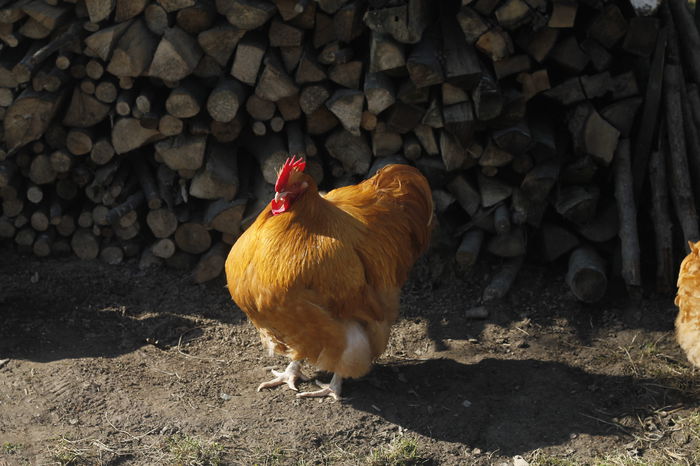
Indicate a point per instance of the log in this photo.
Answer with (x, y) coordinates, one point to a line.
(352, 151)
(681, 187)
(426, 136)
(309, 69)
(246, 14)
(84, 244)
(468, 251)
(112, 255)
(163, 248)
(404, 23)
(274, 82)
(467, 195)
(511, 244)
(346, 105)
(347, 74)
(248, 58)
(459, 120)
(627, 212)
(29, 117)
(176, 56)
(688, 35)
(569, 55)
(503, 280)
(577, 203)
(192, 237)
(270, 152)
(563, 14)
(622, 114)
(182, 152)
(101, 43)
(84, 110)
(471, 22)
(211, 264)
(220, 41)
(386, 54)
(218, 178)
(487, 98)
(501, 219)
(496, 44)
(225, 100)
(512, 14)
(650, 114)
(663, 227)
(134, 51)
(23, 70)
(379, 92)
(422, 64)
(586, 275)
(128, 134)
(225, 216)
(538, 182)
(79, 141)
(385, 142)
(162, 222)
(609, 27)
(555, 241)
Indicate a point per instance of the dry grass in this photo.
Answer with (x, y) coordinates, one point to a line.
(401, 451)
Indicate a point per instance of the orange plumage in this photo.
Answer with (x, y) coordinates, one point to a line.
(321, 281)
(688, 302)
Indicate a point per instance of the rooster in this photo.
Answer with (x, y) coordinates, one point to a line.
(320, 275)
(688, 302)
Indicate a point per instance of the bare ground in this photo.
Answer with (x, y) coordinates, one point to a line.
(113, 365)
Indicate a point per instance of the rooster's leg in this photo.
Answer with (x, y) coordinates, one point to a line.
(291, 375)
(332, 389)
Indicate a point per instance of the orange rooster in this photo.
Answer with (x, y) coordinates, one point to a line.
(320, 275)
(688, 302)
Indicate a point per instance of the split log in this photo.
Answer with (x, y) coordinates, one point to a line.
(218, 178)
(211, 264)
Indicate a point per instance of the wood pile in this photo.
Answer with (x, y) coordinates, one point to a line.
(153, 130)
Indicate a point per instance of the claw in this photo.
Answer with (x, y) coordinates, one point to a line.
(327, 389)
(291, 375)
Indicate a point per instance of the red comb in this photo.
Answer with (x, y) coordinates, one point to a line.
(292, 163)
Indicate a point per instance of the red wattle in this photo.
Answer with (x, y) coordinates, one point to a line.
(279, 207)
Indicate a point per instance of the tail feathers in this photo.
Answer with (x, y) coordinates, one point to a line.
(688, 337)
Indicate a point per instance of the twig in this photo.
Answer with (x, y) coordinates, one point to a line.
(179, 350)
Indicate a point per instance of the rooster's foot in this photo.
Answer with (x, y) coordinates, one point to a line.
(331, 389)
(291, 375)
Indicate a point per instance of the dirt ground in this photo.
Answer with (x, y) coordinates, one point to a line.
(113, 365)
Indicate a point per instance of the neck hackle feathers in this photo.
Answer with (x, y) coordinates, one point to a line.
(292, 163)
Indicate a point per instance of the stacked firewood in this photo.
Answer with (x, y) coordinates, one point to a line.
(155, 129)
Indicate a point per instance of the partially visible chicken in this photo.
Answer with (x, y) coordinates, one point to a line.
(320, 276)
(688, 302)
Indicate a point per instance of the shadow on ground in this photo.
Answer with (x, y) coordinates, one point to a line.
(506, 405)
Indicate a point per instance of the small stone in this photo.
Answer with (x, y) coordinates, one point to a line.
(225, 396)
(520, 461)
(466, 403)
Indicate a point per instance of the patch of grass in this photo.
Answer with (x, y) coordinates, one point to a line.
(401, 451)
(67, 452)
(186, 450)
(10, 448)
